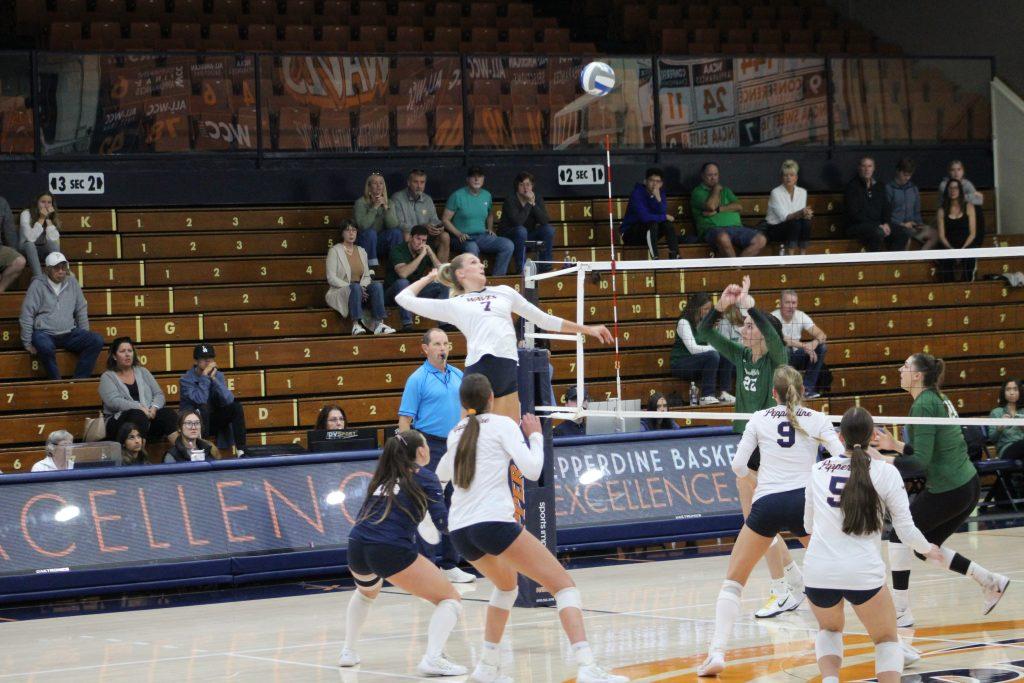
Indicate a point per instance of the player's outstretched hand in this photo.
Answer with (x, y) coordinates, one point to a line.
(530, 424)
(728, 297)
(599, 332)
(884, 440)
(935, 556)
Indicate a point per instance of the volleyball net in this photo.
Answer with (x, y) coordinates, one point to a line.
(876, 308)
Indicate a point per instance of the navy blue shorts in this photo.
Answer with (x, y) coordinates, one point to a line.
(778, 512)
(740, 236)
(503, 374)
(485, 538)
(378, 559)
(830, 597)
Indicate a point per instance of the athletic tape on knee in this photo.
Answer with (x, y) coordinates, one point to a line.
(888, 657)
(568, 597)
(828, 644)
(901, 557)
(503, 599)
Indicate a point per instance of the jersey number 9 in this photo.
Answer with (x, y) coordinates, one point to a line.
(787, 435)
(835, 487)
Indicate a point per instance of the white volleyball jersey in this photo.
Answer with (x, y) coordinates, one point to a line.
(488, 498)
(838, 560)
(485, 317)
(786, 454)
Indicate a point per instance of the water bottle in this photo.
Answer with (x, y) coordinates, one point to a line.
(782, 250)
(995, 241)
(694, 394)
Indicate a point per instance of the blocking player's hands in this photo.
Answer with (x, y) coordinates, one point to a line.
(530, 424)
(729, 296)
(744, 300)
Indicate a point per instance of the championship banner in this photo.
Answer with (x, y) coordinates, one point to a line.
(742, 102)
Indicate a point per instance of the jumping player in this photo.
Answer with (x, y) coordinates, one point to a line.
(788, 436)
(484, 315)
(484, 530)
(951, 485)
(756, 358)
(844, 502)
(382, 546)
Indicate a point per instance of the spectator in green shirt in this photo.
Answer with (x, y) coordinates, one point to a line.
(716, 215)
(467, 216)
(376, 220)
(409, 262)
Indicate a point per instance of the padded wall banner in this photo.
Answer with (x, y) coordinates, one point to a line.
(645, 481)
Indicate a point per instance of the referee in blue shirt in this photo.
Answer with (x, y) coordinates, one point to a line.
(430, 404)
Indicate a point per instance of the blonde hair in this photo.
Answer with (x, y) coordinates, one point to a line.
(788, 384)
(446, 274)
(366, 188)
(790, 165)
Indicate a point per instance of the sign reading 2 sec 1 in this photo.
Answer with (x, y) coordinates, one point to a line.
(77, 183)
(580, 175)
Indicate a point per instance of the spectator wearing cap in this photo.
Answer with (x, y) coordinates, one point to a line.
(56, 452)
(204, 390)
(523, 217)
(409, 262)
(40, 232)
(55, 315)
(11, 262)
(415, 207)
(130, 394)
(375, 217)
(577, 427)
(430, 404)
(467, 217)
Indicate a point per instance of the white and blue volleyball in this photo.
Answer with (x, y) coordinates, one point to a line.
(597, 79)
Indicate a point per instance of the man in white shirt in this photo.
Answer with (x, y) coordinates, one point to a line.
(808, 356)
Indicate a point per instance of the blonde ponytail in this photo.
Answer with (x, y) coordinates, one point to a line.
(789, 386)
(446, 274)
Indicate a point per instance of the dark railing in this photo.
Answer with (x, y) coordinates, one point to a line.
(61, 105)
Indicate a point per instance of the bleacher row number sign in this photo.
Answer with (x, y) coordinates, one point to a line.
(77, 183)
(580, 175)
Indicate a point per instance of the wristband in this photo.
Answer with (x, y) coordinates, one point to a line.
(908, 449)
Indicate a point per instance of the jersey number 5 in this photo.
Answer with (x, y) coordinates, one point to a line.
(787, 434)
(835, 487)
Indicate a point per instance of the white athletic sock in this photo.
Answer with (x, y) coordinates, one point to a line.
(355, 617)
(830, 679)
(442, 621)
(794, 577)
(779, 587)
(901, 599)
(582, 653)
(980, 574)
(727, 609)
(491, 654)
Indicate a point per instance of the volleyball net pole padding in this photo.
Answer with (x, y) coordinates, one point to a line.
(582, 269)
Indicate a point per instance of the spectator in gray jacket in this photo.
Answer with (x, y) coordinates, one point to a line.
(55, 316)
(414, 207)
(205, 390)
(905, 205)
(523, 217)
(11, 262)
(130, 394)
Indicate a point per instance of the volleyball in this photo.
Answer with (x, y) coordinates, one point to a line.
(597, 79)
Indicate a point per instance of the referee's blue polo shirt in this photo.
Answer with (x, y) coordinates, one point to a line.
(431, 399)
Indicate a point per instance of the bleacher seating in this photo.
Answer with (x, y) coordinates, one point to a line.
(251, 280)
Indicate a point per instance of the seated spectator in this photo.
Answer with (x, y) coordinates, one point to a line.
(331, 417)
(131, 395)
(413, 206)
(647, 220)
(716, 215)
(56, 452)
(467, 216)
(55, 315)
(1009, 440)
(409, 262)
(11, 261)
(956, 219)
(868, 214)
(190, 446)
(905, 205)
(133, 445)
(348, 274)
(808, 356)
(955, 171)
(657, 403)
(789, 217)
(577, 427)
(700, 362)
(375, 217)
(204, 390)
(523, 217)
(40, 232)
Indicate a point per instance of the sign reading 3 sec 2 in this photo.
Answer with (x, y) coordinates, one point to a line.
(580, 175)
(77, 183)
